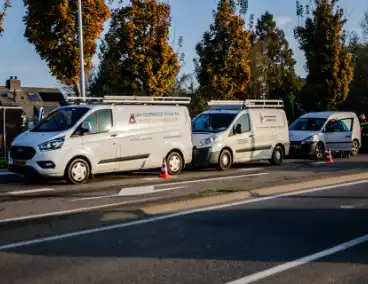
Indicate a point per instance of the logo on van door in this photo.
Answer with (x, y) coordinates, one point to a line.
(261, 118)
(132, 119)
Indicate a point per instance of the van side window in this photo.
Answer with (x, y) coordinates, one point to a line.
(99, 121)
(242, 125)
(343, 125)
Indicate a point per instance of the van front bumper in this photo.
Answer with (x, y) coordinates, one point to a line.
(204, 157)
(301, 150)
(42, 163)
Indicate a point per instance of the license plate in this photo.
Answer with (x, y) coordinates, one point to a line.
(296, 146)
(19, 163)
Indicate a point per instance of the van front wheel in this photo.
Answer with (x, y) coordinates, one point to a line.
(277, 156)
(225, 160)
(77, 171)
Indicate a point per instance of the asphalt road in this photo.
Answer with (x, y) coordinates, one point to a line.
(221, 245)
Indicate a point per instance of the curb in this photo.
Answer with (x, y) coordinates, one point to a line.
(173, 207)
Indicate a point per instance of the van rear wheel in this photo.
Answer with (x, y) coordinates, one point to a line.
(77, 171)
(175, 163)
(355, 150)
(225, 160)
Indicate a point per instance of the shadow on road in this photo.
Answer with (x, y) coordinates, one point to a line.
(257, 235)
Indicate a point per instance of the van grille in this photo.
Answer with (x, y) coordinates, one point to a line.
(22, 153)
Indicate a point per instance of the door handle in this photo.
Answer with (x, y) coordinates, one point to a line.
(251, 135)
(348, 136)
(114, 135)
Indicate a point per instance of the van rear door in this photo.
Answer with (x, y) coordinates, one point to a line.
(338, 134)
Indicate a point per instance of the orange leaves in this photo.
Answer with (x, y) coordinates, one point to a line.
(51, 27)
(5, 7)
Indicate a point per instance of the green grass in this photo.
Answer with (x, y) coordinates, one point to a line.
(3, 164)
(216, 191)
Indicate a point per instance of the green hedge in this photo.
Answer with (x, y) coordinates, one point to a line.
(3, 164)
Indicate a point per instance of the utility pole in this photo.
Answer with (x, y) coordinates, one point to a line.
(80, 28)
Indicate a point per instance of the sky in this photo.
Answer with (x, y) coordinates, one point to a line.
(190, 18)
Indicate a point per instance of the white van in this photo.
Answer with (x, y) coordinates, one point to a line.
(232, 132)
(109, 134)
(314, 133)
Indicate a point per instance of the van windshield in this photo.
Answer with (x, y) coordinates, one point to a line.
(308, 124)
(61, 119)
(212, 122)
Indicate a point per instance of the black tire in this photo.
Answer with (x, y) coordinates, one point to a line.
(77, 176)
(355, 150)
(175, 163)
(319, 153)
(277, 156)
(225, 160)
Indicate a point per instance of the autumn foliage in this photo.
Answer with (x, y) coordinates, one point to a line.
(51, 26)
(5, 7)
(136, 57)
(222, 67)
(328, 62)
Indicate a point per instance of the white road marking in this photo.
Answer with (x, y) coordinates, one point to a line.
(6, 173)
(301, 261)
(73, 211)
(152, 178)
(354, 205)
(249, 169)
(159, 218)
(318, 163)
(132, 191)
(30, 191)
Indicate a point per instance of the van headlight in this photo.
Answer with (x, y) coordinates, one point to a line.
(53, 144)
(309, 140)
(209, 141)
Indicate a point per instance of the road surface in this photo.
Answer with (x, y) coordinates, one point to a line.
(254, 240)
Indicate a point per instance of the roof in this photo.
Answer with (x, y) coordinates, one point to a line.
(326, 114)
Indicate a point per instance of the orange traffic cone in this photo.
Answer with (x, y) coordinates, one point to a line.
(329, 156)
(164, 173)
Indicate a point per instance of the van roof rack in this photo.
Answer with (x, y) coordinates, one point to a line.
(239, 105)
(126, 100)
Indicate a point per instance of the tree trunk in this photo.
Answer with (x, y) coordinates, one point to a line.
(77, 88)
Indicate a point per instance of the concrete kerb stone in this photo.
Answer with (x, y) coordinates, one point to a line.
(237, 196)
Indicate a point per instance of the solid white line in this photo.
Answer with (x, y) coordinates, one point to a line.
(170, 216)
(301, 261)
(30, 191)
(72, 211)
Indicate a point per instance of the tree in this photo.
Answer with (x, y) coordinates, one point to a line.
(136, 58)
(51, 26)
(358, 97)
(222, 67)
(5, 7)
(328, 62)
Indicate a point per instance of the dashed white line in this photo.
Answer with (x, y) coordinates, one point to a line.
(158, 218)
(30, 191)
(301, 261)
